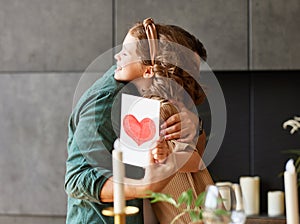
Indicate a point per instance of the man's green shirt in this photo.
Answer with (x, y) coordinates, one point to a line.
(90, 142)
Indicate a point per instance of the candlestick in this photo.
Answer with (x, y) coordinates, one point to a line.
(291, 193)
(275, 203)
(118, 178)
(250, 191)
(119, 211)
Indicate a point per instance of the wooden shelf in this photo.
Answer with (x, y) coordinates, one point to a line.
(264, 219)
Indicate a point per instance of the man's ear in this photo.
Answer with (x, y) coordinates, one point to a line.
(148, 73)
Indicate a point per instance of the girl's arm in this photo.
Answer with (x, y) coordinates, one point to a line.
(195, 161)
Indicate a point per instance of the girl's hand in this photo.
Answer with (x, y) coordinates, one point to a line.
(161, 151)
(182, 126)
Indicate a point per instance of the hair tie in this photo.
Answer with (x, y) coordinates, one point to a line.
(152, 37)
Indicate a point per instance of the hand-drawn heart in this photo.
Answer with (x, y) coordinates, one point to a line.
(140, 132)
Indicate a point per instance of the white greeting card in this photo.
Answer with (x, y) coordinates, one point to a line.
(139, 128)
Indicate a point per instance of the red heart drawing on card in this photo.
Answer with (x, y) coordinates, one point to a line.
(140, 132)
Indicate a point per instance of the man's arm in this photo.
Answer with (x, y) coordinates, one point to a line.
(89, 159)
(157, 178)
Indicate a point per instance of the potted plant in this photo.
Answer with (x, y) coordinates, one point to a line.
(193, 206)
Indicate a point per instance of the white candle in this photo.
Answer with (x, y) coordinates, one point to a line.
(291, 193)
(275, 203)
(224, 190)
(250, 191)
(118, 178)
(239, 197)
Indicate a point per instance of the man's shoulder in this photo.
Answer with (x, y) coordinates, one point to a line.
(104, 87)
(106, 82)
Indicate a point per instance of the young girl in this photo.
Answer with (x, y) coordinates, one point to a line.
(161, 78)
(159, 72)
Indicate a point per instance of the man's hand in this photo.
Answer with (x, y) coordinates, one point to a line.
(157, 176)
(182, 126)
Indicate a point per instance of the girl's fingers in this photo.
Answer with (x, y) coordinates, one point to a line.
(160, 152)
